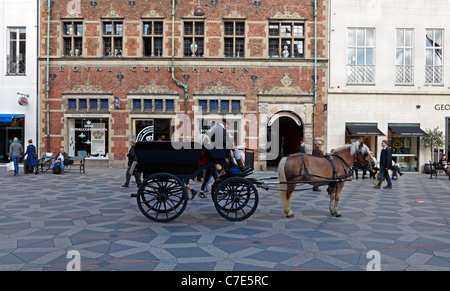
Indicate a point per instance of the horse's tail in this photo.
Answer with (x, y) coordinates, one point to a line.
(282, 175)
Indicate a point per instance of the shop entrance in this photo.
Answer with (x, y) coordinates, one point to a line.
(8, 131)
(287, 130)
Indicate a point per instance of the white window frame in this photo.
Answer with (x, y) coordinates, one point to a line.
(404, 71)
(360, 73)
(434, 74)
(19, 56)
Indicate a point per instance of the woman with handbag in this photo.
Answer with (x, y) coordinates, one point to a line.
(31, 161)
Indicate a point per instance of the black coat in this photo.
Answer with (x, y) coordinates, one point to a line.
(301, 149)
(386, 159)
(131, 156)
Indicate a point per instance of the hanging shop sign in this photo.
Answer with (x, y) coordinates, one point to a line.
(23, 101)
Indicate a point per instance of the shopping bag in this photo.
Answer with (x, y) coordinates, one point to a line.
(10, 167)
(379, 178)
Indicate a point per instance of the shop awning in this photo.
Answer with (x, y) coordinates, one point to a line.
(9, 117)
(408, 130)
(364, 130)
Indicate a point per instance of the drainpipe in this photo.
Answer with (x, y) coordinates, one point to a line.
(315, 71)
(47, 86)
(184, 86)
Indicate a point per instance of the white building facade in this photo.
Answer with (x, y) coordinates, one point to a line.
(389, 75)
(18, 75)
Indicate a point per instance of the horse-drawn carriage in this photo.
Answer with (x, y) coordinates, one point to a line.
(163, 196)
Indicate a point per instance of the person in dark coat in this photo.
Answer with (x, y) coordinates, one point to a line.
(31, 161)
(131, 158)
(301, 148)
(385, 165)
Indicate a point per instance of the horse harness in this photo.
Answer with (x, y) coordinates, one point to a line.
(303, 172)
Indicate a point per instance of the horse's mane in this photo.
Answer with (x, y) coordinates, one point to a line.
(354, 146)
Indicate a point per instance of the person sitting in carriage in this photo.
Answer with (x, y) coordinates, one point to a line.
(221, 139)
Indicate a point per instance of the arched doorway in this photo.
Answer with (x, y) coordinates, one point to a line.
(287, 130)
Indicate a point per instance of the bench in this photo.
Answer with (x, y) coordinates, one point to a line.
(45, 163)
(435, 170)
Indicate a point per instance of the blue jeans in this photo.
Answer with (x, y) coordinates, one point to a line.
(384, 174)
(58, 163)
(16, 164)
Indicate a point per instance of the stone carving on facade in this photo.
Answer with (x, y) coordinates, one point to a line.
(112, 14)
(153, 88)
(153, 14)
(287, 15)
(220, 89)
(285, 88)
(88, 88)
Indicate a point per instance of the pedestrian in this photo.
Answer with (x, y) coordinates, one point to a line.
(301, 148)
(395, 170)
(31, 161)
(385, 165)
(60, 158)
(375, 168)
(317, 152)
(189, 188)
(15, 153)
(132, 168)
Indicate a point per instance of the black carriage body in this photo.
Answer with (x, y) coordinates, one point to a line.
(178, 158)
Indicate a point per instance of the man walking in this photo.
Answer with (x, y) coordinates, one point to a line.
(131, 158)
(15, 153)
(385, 165)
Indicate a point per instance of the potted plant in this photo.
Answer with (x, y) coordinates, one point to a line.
(435, 139)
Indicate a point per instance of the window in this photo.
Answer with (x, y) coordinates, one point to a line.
(213, 106)
(145, 104)
(194, 33)
(87, 104)
(153, 38)
(112, 38)
(286, 40)
(404, 57)
(16, 58)
(234, 39)
(360, 56)
(434, 56)
(72, 39)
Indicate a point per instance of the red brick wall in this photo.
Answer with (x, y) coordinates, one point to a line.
(300, 71)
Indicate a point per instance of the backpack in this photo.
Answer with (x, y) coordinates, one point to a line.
(56, 169)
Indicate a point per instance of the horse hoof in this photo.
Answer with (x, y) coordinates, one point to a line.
(338, 215)
(290, 214)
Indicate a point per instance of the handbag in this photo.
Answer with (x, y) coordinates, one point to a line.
(10, 166)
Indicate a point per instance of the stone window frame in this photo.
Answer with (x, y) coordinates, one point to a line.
(154, 99)
(88, 98)
(72, 36)
(152, 36)
(194, 37)
(285, 38)
(234, 37)
(113, 37)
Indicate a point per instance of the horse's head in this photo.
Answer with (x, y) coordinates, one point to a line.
(362, 155)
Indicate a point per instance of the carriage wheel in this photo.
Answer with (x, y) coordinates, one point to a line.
(162, 197)
(236, 199)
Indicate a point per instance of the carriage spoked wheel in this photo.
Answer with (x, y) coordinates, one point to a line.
(162, 197)
(236, 198)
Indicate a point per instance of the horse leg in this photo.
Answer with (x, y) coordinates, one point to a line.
(332, 192)
(339, 187)
(285, 189)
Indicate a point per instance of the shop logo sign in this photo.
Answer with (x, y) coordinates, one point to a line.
(146, 134)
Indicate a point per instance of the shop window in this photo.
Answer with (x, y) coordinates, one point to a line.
(152, 129)
(90, 136)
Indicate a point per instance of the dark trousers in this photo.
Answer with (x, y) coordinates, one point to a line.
(209, 172)
(136, 175)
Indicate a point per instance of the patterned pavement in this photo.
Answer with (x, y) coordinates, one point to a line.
(43, 217)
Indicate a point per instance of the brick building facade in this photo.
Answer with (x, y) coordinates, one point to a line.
(112, 74)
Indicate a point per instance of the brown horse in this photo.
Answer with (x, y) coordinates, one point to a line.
(331, 169)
